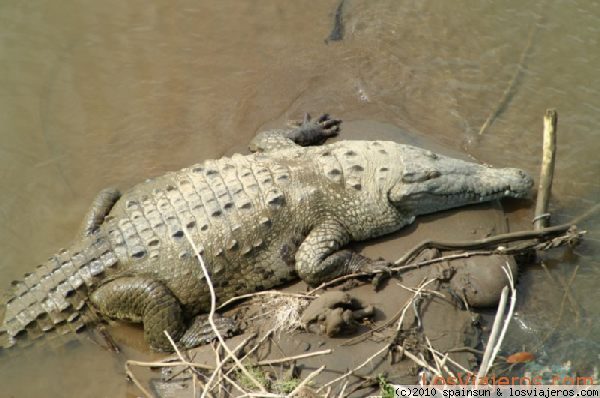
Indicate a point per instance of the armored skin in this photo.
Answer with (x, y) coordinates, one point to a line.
(259, 220)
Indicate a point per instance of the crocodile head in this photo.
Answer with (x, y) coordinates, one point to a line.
(430, 182)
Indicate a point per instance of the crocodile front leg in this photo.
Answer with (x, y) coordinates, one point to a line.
(304, 133)
(319, 258)
(142, 299)
(99, 209)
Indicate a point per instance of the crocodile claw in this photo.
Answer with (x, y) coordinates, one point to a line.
(314, 131)
(385, 272)
(201, 332)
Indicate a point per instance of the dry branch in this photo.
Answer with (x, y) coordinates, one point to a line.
(306, 380)
(497, 336)
(293, 358)
(542, 239)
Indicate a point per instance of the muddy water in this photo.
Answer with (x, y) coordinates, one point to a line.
(109, 93)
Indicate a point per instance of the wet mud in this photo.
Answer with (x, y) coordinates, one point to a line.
(110, 93)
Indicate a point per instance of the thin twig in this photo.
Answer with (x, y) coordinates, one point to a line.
(306, 380)
(234, 384)
(174, 346)
(188, 364)
(220, 364)
(262, 395)
(421, 291)
(211, 314)
(264, 293)
(458, 366)
(350, 372)
(545, 233)
(441, 363)
(259, 343)
(130, 374)
(172, 364)
(417, 360)
(293, 358)
(194, 380)
(343, 390)
(256, 346)
(410, 301)
(218, 370)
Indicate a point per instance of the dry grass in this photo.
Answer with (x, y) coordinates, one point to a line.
(287, 313)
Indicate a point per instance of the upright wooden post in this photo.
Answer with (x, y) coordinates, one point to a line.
(547, 170)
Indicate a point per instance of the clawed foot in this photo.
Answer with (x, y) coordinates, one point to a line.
(313, 131)
(384, 270)
(201, 332)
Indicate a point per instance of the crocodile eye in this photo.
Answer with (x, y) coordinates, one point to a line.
(431, 155)
(420, 176)
(433, 174)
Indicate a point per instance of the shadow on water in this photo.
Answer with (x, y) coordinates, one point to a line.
(110, 93)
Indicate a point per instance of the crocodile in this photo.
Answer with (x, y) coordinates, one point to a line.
(284, 211)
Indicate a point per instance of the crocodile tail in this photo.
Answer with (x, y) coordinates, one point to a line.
(53, 298)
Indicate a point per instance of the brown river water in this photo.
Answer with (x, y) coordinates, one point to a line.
(107, 93)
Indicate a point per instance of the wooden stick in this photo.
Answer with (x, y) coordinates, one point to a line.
(343, 390)
(211, 316)
(417, 360)
(256, 346)
(294, 357)
(547, 170)
(458, 365)
(160, 364)
(139, 385)
(220, 363)
(299, 387)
